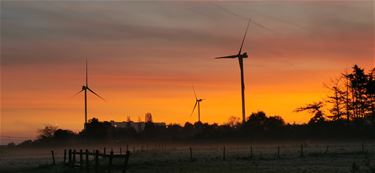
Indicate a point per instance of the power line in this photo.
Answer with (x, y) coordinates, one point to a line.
(256, 23)
(242, 17)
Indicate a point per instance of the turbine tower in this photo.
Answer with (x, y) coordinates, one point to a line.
(197, 103)
(85, 89)
(240, 56)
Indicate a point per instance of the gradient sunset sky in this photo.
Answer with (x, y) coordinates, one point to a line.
(145, 57)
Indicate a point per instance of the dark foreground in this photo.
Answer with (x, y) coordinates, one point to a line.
(340, 157)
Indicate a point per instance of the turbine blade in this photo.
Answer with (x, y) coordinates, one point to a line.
(230, 56)
(194, 108)
(96, 94)
(195, 94)
(243, 40)
(77, 93)
(87, 81)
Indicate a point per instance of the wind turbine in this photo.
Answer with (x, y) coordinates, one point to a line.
(197, 103)
(240, 56)
(84, 89)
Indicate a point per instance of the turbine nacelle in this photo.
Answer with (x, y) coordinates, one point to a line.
(244, 55)
(199, 100)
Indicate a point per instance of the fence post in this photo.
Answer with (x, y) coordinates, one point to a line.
(251, 152)
(87, 160)
(224, 153)
(96, 161)
(110, 162)
(278, 152)
(70, 157)
(191, 154)
(326, 152)
(64, 156)
(53, 157)
(126, 162)
(80, 159)
(74, 157)
(363, 148)
(301, 152)
(355, 167)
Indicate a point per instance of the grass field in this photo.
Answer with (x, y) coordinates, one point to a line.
(340, 157)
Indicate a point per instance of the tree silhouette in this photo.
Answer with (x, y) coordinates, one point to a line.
(370, 91)
(360, 97)
(233, 121)
(97, 129)
(337, 100)
(358, 81)
(47, 132)
(63, 134)
(315, 109)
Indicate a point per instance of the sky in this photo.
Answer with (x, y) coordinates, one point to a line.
(146, 56)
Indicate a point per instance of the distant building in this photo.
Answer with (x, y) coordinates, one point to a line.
(148, 117)
(138, 126)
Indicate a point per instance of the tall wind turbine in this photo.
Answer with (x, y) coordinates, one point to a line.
(84, 89)
(240, 56)
(197, 103)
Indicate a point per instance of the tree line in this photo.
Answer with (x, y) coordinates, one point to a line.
(351, 99)
(347, 113)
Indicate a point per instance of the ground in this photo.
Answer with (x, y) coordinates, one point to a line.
(339, 157)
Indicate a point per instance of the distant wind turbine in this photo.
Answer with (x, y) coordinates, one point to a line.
(86, 88)
(197, 103)
(240, 57)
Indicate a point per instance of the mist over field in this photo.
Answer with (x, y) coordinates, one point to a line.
(208, 157)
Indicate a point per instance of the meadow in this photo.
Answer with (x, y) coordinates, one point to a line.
(256, 157)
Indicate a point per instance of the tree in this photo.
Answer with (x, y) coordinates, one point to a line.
(63, 134)
(337, 100)
(256, 121)
(233, 121)
(148, 118)
(47, 132)
(370, 92)
(258, 117)
(275, 122)
(347, 97)
(315, 109)
(97, 129)
(358, 81)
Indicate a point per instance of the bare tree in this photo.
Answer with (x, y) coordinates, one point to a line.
(315, 109)
(347, 97)
(233, 121)
(337, 100)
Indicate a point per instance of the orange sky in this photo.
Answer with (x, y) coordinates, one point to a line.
(144, 57)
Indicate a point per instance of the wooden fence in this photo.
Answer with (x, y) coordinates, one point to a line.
(86, 160)
(96, 161)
